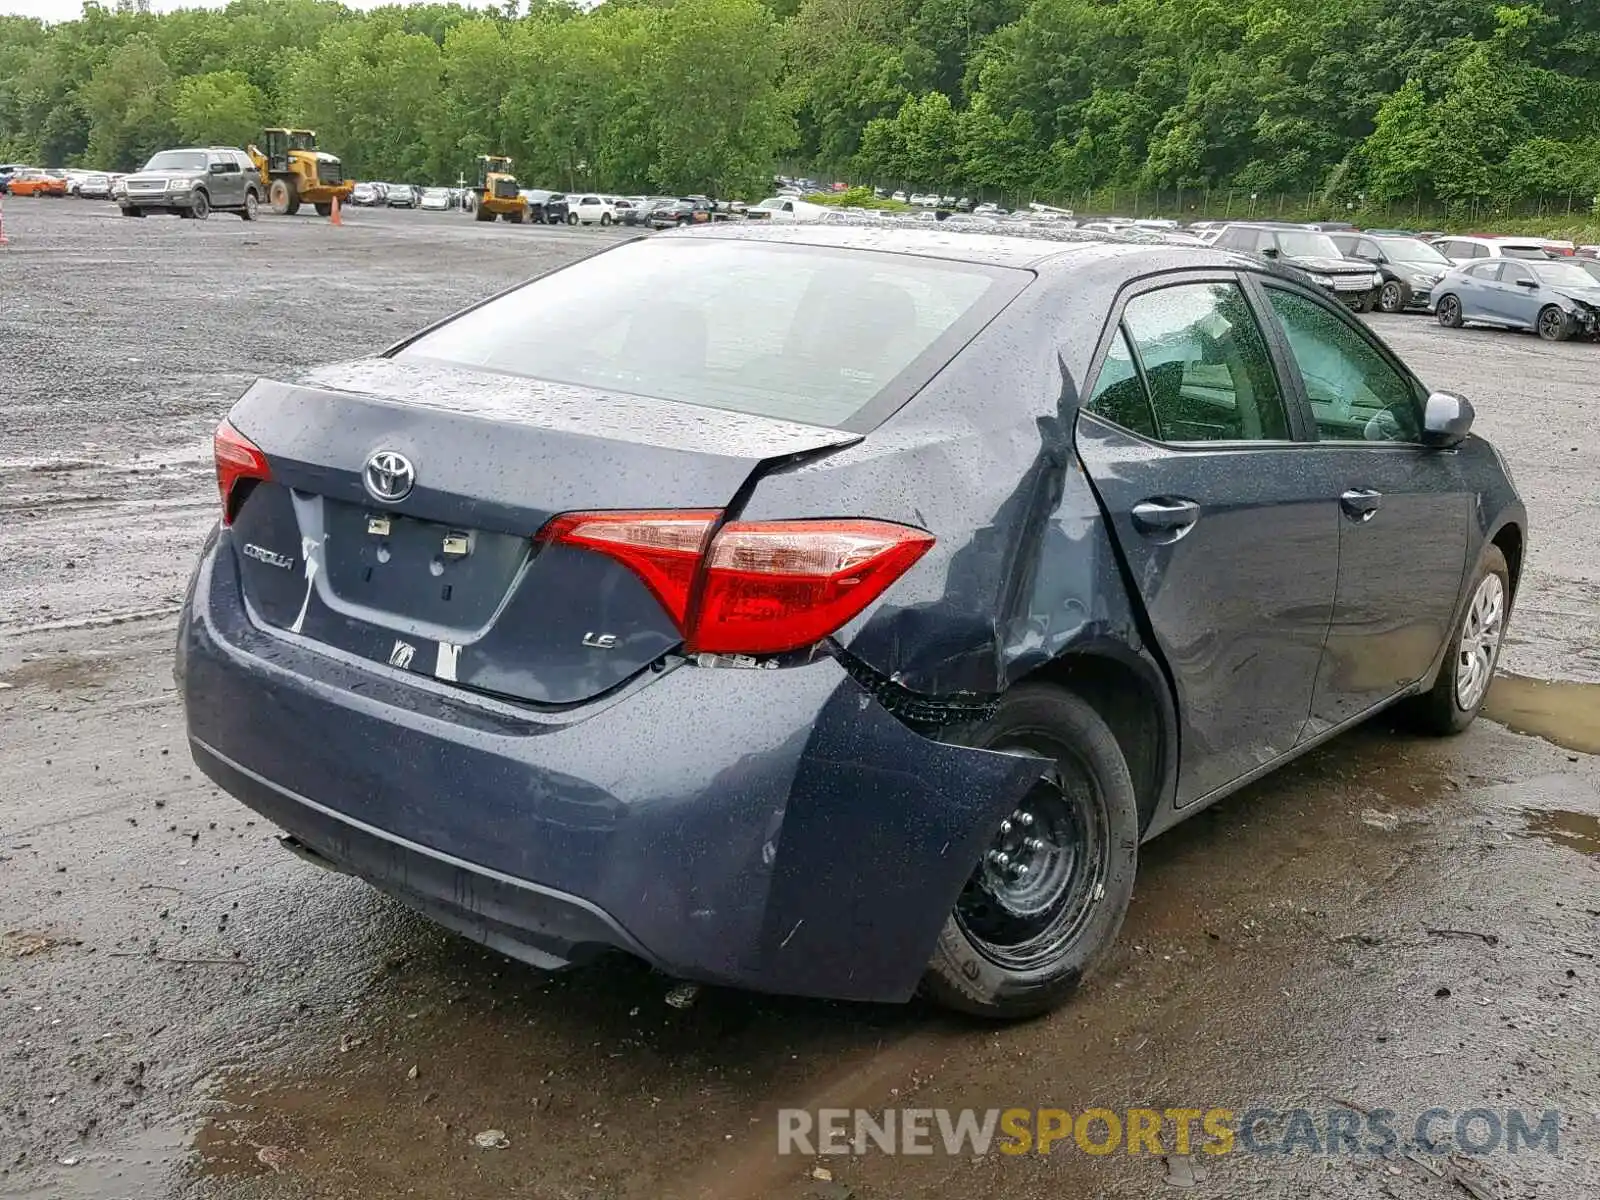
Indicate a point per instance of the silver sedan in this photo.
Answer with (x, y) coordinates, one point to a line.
(1558, 300)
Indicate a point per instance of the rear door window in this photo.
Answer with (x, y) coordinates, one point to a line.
(823, 336)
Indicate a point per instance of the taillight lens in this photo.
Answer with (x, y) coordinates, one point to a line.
(778, 585)
(238, 459)
(761, 587)
(661, 548)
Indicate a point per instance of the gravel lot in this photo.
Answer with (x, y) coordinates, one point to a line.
(188, 1011)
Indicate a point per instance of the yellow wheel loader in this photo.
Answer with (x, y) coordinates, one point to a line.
(295, 172)
(497, 194)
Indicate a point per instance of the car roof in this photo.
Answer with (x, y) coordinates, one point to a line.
(1042, 247)
(1492, 240)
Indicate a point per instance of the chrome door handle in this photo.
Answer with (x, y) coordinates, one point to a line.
(1165, 515)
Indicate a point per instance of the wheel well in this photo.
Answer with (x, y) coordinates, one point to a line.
(1509, 540)
(1126, 703)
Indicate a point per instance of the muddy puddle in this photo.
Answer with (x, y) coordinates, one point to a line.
(1574, 830)
(1567, 714)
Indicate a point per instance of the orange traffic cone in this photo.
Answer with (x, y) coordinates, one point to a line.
(3, 241)
(335, 217)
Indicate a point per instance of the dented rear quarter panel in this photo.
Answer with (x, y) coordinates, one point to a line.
(1024, 568)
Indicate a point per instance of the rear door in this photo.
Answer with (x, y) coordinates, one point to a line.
(1472, 287)
(1405, 511)
(1192, 445)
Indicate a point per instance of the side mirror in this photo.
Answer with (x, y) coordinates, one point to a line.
(1531, 284)
(1446, 420)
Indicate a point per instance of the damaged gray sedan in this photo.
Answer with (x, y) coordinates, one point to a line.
(841, 619)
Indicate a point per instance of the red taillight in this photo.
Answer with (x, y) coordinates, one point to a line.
(779, 585)
(661, 548)
(761, 587)
(238, 459)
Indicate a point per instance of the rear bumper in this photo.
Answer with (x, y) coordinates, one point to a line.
(769, 829)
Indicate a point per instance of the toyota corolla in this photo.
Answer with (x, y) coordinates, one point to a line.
(847, 647)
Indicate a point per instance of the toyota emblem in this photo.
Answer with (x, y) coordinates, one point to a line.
(389, 476)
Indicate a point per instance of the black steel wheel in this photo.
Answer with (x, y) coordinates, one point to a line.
(1051, 887)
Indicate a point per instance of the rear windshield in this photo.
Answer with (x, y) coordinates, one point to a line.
(802, 333)
(1528, 252)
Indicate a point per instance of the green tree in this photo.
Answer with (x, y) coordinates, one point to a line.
(221, 108)
(128, 101)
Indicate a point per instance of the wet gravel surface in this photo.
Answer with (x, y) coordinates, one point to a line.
(186, 1011)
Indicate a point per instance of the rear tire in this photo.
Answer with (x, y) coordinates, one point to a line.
(1553, 324)
(1469, 665)
(1017, 946)
(1448, 313)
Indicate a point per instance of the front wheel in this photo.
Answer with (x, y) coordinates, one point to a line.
(1043, 906)
(1367, 301)
(1554, 324)
(605, 218)
(572, 218)
(132, 212)
(284, 197)
(251, 204)
(1469, 664)
(1391, 298)
(1448, 313)
(200, 206)
(325, 209)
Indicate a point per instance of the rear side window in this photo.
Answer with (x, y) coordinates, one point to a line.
(1119, 394)
(1205, 363)
(811, 334)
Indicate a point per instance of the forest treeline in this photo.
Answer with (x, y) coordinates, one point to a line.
(1446, 101)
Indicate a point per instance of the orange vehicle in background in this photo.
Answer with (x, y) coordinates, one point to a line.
(36, 183)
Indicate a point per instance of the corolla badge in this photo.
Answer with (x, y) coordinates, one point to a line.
(389, 476)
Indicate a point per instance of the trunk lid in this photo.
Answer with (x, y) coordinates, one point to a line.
(446, 581)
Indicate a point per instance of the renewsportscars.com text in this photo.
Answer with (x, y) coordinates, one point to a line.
(1216, 1131)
